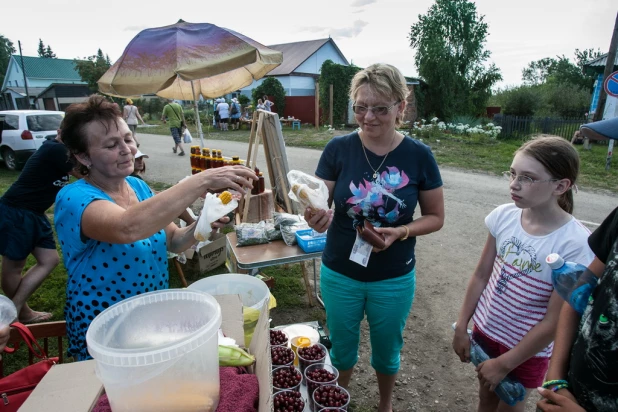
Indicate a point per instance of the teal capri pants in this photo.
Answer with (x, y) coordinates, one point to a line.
(386, 303)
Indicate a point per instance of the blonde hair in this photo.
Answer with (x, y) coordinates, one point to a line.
(129, 101)
(383, 79)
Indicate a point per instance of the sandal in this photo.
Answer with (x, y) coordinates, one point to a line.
(39, 317)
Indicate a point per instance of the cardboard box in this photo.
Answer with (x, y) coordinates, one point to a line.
(74, 387)
(213, 254)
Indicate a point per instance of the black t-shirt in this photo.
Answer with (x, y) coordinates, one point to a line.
(594, 359)
(387, 201)
(45, 173)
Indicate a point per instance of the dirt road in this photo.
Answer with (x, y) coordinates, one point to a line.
(431, 377)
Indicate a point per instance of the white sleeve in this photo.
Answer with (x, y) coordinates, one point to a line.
(493, 218)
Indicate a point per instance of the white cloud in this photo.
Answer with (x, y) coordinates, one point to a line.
(353, 31)
(361, 3)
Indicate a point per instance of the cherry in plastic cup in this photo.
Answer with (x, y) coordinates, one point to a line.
(277, 371)
(287, 340)
(280, 405)
(331, 410)
(312, 383)
(336, 391)
(276, 364)
(304, 362)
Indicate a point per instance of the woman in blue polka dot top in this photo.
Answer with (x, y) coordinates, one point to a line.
(114, 231)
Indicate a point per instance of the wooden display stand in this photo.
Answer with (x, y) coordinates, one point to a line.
(267, 129)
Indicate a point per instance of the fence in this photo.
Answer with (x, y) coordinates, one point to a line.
(520, 126)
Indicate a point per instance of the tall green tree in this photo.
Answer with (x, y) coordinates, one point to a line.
(451, 57)
(91, 69)
(41, 49)
(560, 70)
(45, 52)
(340, 77)
(6, 50)
(49, 53)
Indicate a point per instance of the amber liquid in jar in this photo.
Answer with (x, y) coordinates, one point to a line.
(260, 183)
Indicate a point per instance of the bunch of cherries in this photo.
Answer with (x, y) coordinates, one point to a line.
(278, 338)
(281, 355)
(288, 401)
(330, 396)
(286, 377)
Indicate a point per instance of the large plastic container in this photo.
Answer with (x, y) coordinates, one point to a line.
(253, 292)
(158, 351)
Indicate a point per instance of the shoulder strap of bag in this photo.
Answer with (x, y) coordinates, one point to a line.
(30, 340)
(174, 110)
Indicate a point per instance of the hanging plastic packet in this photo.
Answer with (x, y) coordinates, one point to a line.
(310, 192)
(214, 209)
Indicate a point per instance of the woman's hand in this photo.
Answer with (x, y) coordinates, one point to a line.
(461, 345)
(391, 235)
(239, 178)
(558, 402)
(218, 224)
(491, 372)
(319, 221)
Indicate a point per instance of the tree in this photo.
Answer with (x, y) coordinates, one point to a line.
(561, 70)
(45, 52)
(340, 77)
(451, 57)
(6, 50)
(271, 87)
(91, 69)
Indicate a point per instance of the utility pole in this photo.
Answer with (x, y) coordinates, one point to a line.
(23, 70)
(609, 68)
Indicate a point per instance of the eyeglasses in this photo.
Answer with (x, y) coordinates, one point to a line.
(524, 180)
(376, 110)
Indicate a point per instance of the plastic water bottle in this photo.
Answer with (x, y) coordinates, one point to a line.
(571, 281)
(8, 312)
(508, 390)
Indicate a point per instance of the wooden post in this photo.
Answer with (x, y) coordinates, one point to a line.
(317, 105)
(331, 103)
(609, 68)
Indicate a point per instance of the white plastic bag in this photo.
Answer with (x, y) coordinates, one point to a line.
(212, 211)
(308, 190)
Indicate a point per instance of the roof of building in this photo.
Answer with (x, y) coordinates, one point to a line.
(295, 54)
(601, 61)
(46, 68)
(66, 90)
(32, 91)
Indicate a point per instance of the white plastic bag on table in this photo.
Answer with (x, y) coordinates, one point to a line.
(212, 211)
(308, 190)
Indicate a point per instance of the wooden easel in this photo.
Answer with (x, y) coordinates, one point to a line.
(267, 128)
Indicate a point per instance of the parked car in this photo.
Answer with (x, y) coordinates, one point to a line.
(22, 132)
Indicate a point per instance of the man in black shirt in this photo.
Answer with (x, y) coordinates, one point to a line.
(25, 230)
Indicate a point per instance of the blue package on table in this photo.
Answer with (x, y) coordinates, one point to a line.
(310, 243)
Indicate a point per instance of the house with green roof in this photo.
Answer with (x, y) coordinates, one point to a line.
(53, 84)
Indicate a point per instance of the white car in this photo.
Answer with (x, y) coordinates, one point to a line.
(22, 132)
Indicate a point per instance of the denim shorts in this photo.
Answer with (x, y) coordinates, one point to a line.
(386, 303)
(22, 230)
(175, 134)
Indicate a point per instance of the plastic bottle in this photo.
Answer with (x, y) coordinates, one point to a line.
(571, 281)
(508, 390)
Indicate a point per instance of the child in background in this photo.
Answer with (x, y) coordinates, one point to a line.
(139, 165)
(510, 296)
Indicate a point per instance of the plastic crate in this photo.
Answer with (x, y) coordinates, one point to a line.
(308, 243)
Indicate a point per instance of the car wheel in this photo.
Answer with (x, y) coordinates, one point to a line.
(9, 159)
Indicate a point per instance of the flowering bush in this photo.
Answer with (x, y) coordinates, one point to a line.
(436, 128)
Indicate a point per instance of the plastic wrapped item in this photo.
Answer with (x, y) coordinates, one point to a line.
(508, 390)
(289, 232)
(286, 219)
(214, 209)
(308, 191)
(272, 233)
(8, 312)
(248, 234)
(571, 281)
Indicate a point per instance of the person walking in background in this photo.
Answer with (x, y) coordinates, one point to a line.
(267, 104)
(235, 114)
(510, 295)
(174, 116)
(224, 114)
(131, 115)
(24, 228)
(115, 232)
(377, 175)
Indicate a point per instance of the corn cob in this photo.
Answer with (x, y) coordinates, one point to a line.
(233, 356)
(225, 197)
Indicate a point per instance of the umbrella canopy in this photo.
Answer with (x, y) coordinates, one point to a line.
(172, 60)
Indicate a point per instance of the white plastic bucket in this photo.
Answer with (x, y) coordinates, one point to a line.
(253, 292)
(158, 351)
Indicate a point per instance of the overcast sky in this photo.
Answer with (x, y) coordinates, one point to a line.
(366, 31)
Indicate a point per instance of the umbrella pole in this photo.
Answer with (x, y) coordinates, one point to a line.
(197, 116)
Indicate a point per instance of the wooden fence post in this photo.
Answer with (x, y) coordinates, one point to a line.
(317, 105)
(330, 112)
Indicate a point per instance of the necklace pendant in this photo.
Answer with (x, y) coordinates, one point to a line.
(375, 175)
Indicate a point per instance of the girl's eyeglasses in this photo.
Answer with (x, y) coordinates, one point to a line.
(376, 110)
(524, 180)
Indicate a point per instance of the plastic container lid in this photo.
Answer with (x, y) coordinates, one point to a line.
(253, 292)
(153, 327)
(8, 312)
(554, 261)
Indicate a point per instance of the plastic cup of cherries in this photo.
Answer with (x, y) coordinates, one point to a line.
(319, 374)
(288, 401)
(278, 338)
(286, 378)
(331, 396)
(311, 354)
(281, 356)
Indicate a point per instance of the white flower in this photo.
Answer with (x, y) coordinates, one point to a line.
(490, 125)
(437, 141)
(435, 119)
